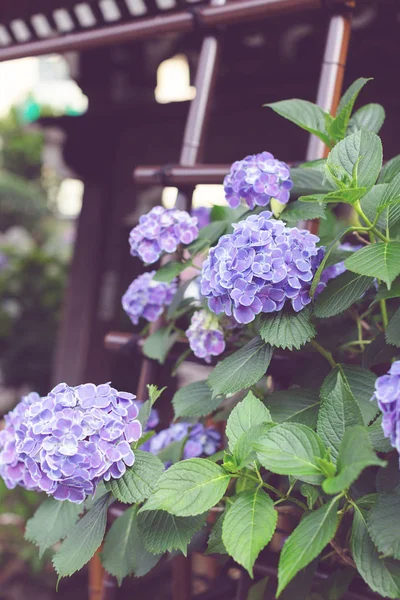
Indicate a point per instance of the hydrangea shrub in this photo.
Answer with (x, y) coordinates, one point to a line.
(301, 331)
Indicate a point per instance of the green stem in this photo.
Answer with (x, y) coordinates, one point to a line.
(325, 353)
(384, 314)
(371, 226)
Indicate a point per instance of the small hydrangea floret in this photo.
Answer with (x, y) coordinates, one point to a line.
(206, 338)
(162, 230)
(68, 441)
(147, 298)
(259, 267)
(387, 394)
(257, 179)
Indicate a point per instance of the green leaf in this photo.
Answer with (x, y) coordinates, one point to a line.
(302, 211)
(339, 411)
(191, 487)
(181, 301)
(360, 152)
(382, 575)
(391, 192)
(296, 405)
(341, 293)
(286, 330)
(307, 541)
(215, 544)
(371, 202)
(243, 451)
(173, 452)
(154, 393)
(370, 117)
(144, 413)
(361, 384)
(309, 492)
(169, 271)
(158, 344)
(338, 127)
(138, 482)
(326, 261)
(257, 590)
(378, 440)
(241, 369)
(195, 400)
(309, 180)
(83, 539)
(208, 236)
(385, 294)
(248, 526)
(348, 196)
(384, 524)
(162, 532)
(51, 523)
(390, 170)
(355, 455)
(247, 413)
(381, 260)
(291, 449)
(304, 114)
(393, 329)
(123, 551)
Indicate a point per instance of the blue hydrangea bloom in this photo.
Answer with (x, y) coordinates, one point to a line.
(162, 230)
(387, 394)
(200, 441)
(147, 298)
(206, 338)
(257, 179)
(260, 266)
(68, 441)
(202, 214)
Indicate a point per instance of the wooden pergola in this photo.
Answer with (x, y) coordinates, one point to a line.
(73, 26)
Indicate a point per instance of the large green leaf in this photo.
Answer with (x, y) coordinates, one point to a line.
(83, 539)
(370, 117)
(139, 481)
(360, 156)
(385, 294)
(339, 411)
(341, 293)
(195, 400)
(242, 369)
(307, 541)
(355, 455)
(393, 329)
(305, 114)
(248, 526)
(390, 170)
(291, 449)
(371, 202)
(123, 551)
(215, 544)
(302, 211)
(310, 180)
(338, 127)
(162, 532)
(169, 271)
(286, 330)
(191, 487)
(296, 405)
(51, 523)
(361, 383)
(158, 344)
(380, 260)
(382, 575)
(384, 524)
(247, 413)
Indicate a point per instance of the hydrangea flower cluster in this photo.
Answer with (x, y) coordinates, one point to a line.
(387, 394)
(162, 230)
(258, 267)
(257, 179)
(68, 441)
(201, 440)
(206, 338)
(203, 214)
(146, 298)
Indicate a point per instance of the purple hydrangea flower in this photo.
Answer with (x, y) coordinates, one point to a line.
(257, 179)
(206, 338)
(146, 298)
(162, 230)
(258, 267)
(68, 441)
(202, 213)
(387, 394)
(200, 441)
